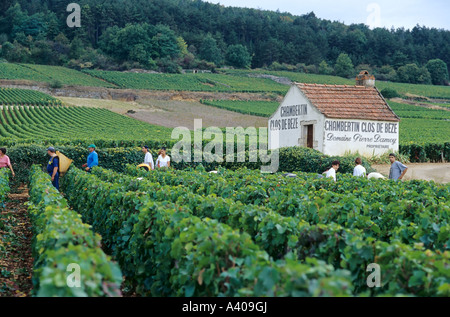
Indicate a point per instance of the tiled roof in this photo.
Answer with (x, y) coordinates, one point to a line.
(348, 102)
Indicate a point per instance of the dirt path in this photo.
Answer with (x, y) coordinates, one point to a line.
(421, 104)
(438, 172)
(182, 114)
(114, 105)
(16, 261)
(134, 94)
(173, 113)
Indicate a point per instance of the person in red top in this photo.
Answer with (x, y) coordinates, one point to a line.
(4, 161)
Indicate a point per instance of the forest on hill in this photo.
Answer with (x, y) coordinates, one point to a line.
(171, 35)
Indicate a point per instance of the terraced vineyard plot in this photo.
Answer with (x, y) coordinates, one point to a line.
(72, 124)
(13, 96)
(233, 81)
(420, 125)
(256, 108)
(68, 76)
(418, 112)
(419, 90)
(294, 77)
(423, 131)
(189, 82)
(19, 72)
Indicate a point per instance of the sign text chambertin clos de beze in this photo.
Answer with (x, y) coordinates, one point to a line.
(380, 135)
(289, 118)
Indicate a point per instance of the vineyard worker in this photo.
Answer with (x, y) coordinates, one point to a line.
(163, 159)
(359, 170)
(332, 171)
(92, 159)
(148, 159)
(398, 170)
(5, 161)
(53, 166)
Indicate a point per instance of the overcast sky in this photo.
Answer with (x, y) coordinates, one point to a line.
(384, 13)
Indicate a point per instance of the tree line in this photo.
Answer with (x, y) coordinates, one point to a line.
(173, 34)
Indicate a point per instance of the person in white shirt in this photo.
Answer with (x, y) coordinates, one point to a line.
(332, 171)
(163, 159)
(148, 159)
(359, 170)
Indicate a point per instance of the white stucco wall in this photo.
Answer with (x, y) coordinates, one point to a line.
(331, 136)
(290, 130)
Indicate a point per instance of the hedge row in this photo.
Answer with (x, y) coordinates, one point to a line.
(389, 209)
(165, 250)
(4, 185)
(101, 142)
(352, 248)
(403, 216)
(24, 156)
(60, 239)
(433, 152)
(290, 159)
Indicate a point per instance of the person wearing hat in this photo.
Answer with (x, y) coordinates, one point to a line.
(92, 159)
(148, 159)
(53, 166)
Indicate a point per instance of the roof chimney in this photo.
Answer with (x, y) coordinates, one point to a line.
(364, 79)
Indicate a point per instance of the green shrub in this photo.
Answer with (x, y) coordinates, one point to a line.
(4, 185)
(56, 84)
(426, 152)
(291, 159)
(164, 250)
(59, 239)
(389, 93)
(162, 232)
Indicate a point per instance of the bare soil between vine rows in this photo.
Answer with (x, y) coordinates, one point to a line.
(438, 172)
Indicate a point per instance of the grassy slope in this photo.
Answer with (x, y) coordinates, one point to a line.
(419, 90)
(256, 108)
(189, 82)
(240, 80)
(11, 96)
(76, 123)
(48, 74)
(418, 123)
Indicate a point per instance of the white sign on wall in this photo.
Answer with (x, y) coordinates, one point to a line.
(289, 118)
(366, 137)
(284, 126)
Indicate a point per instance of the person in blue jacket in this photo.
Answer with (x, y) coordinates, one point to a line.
(92, 159)
(53, 166)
